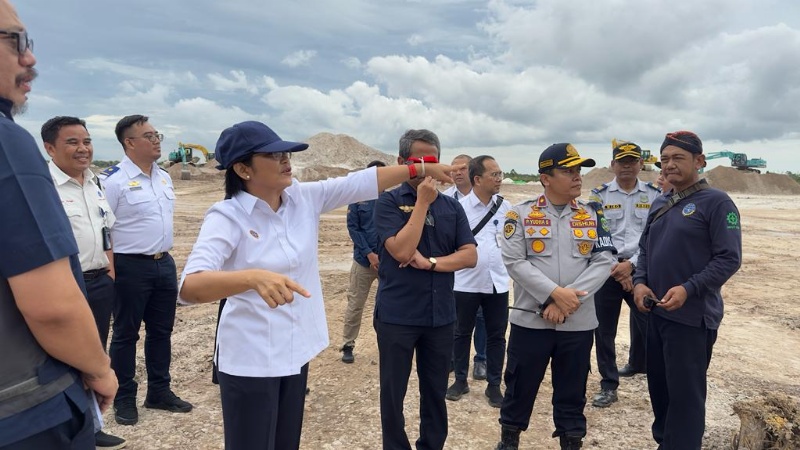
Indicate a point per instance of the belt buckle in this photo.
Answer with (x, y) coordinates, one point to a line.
(158, 255)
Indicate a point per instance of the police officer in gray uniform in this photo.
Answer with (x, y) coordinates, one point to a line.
(559, 253)
(626, 202)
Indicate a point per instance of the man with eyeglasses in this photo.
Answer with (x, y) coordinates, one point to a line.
(48, 339)
(143, 200)
(697, 229)
(485, 286)
(69, 145)
(626, 202)
(558, 251)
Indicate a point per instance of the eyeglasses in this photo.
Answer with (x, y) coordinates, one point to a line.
(24, 42)
(278, 156)
(153, 138)
(496, 175)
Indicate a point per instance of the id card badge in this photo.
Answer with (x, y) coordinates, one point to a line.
(106, 239)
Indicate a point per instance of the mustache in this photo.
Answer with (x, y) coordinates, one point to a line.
(29, 75)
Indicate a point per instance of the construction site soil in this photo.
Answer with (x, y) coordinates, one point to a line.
(756, 352)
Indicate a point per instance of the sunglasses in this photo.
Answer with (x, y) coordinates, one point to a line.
(24, 42)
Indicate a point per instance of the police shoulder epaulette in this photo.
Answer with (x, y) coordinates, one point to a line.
(600, 188)
(108, 171)
(653, 186)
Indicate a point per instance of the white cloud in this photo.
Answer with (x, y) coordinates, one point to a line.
(299, 58)
(237, 81)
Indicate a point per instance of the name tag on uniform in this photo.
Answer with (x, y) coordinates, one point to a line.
(612, 207)
(643, 205)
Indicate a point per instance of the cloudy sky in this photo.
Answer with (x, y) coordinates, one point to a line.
(503, 77)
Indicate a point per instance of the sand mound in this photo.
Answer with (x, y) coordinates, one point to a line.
(727, 179)
(338, 150)
(206, 172)
(732, 180)
(316, 173)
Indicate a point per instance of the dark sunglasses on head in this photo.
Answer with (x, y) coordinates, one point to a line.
(24, 42)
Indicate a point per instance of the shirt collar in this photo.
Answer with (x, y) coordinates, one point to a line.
(614, 186)
(249, 201)
(475, 202)
(61, 178)
(132, 170)
(5, 108)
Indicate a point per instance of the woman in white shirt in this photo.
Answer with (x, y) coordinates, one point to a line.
(258, 248)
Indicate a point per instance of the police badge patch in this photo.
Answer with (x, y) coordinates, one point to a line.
(689, 209)
(509, 228)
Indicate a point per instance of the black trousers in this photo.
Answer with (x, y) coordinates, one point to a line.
(263, 413)
(77, 433)
(608, 304)
(529, 353)
(677, 363)
(397, 345)
(495, 314)
(146, 290)
(100, 294)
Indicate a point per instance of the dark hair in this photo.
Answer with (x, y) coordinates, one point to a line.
(408, 138)
(476, 168)
(377, 163)
(51, 128)
(233, 182)
(127, 122)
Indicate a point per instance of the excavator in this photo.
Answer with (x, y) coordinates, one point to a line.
(739, 161)
(184, 155)
(648, 157)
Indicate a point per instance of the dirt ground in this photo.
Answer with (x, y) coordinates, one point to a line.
(757, 352)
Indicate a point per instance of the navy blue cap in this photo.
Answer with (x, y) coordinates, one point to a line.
(562, 156)
(246, 138)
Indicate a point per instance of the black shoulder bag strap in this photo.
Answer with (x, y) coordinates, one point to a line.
(488, 215)
(699, 186)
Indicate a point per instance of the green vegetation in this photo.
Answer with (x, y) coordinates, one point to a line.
(795, 176)
(522, 176)
(103, 164)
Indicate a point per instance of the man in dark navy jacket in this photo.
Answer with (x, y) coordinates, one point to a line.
(49, 343)
(424, 237)
(691, 246)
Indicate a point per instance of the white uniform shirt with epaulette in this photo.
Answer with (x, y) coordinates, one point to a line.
(143, 205)
(626, 213)
(489, 274)
(543, 249)
(88, 212)
(244, 232)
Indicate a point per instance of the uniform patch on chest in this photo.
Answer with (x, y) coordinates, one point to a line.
(584, 247)
(537, 246)
(689, 209)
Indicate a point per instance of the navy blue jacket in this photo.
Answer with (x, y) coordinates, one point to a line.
(34, 231)
(361, 227)
(697, 244)
(408, 296)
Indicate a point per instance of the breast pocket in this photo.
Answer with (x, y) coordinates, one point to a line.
(582, 248)
(613, 216)
(168, 198)
(539, 244)
(74, 214)
(137, 200)
(641, 216)
(443, 225)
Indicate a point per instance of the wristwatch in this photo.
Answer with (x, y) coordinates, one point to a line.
(433, 263)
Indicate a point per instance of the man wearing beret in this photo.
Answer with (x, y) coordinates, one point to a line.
(697, 230)
(558, 251)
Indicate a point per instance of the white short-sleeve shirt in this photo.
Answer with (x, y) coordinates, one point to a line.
(490, 271)
(143, 205)
(255, 340)
(88, 212)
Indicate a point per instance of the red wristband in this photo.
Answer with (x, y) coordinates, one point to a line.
(412, 171)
